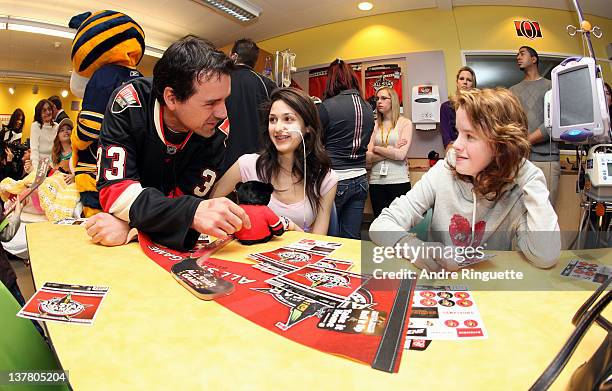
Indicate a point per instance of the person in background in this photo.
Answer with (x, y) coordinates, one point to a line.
(249, 91)
(7, 273)
(12, 131)
(530, 92)
(58, 113)
(387, 151)
(281, 163)
(466, 79)
(484, 194)
(62, 150)
(42, 133)
(348, 122)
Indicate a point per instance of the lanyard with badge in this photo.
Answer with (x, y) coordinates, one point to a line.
(384, 165)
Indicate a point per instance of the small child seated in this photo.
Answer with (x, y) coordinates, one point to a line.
(484, 191)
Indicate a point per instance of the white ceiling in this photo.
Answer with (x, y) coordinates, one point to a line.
(164, 21)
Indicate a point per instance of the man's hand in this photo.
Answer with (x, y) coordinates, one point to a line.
(220, 217)
(107, 230)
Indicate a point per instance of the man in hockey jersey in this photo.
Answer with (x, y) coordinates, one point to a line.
(160, 150)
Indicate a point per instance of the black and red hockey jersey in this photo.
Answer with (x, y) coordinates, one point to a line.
(142, 179)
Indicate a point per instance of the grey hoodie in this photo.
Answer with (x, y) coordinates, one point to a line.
(522, 219)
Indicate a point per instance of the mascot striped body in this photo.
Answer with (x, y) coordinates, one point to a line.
(105, 51)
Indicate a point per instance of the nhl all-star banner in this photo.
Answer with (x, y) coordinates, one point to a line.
(370, 327)
(376, 77)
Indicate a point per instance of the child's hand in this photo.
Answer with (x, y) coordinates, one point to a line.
(68, 178)
(294, 227)
(401, 143)
(429, 255)
(9, 155)
(27, 166)
(18, 206)
(9, 204)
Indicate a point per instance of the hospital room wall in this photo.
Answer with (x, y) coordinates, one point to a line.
(463, 28)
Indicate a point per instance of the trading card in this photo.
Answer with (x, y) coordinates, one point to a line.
(354, 321)
(65, 303)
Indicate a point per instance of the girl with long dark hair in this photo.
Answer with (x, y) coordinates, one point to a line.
(12, 131)
(303, 191)
(348, 122)
(42, 132)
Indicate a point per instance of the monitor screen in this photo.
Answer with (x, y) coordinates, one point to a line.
(609, 168)
(575, 97)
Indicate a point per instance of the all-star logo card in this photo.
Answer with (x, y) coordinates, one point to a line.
(279, 267)
(65, 303)
(290, 256)
(319, 282)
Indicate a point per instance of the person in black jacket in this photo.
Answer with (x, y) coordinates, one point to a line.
(348, 122)
(159, 152)
(250, 91)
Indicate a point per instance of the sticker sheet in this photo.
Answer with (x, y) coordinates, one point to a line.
(444, 313)
(589, 271)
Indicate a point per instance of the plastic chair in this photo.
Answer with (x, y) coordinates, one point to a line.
(594, 373)
(21, 345)
(422, 229)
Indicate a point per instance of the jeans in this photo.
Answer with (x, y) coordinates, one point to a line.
(350, 200)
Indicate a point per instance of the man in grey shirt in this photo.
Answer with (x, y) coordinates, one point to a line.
(530, 92)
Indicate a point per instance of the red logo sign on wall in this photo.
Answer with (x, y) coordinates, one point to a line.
(528, 29)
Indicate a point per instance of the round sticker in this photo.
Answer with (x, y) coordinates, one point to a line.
(446, 295)
(428, 302)
(446, 303)
(470, 323)
(451, 323)
(464, 303)
(462, 295)
(427, 294)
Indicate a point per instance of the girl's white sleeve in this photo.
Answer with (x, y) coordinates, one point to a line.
(538, 235)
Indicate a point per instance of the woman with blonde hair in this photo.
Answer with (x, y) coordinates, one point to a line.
(387, 151)
(484, 192)
(466, 79)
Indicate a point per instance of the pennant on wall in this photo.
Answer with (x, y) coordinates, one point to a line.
(528, 29)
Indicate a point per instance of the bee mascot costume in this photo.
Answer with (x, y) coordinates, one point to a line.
(105, 51)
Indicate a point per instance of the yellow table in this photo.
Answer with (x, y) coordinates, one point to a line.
(152, 334)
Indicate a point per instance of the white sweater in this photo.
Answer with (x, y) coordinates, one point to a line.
(41, 142)
(522, 219)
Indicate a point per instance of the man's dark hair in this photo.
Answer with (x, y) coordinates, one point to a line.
(188, 61)
(57, 102)
(532, 53)
(247, 51)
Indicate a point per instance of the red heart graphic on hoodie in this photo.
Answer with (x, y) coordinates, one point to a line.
(460, 231)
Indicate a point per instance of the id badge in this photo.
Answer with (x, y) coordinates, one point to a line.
(384, 168)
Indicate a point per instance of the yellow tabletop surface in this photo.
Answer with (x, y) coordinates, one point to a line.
(152, 334)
